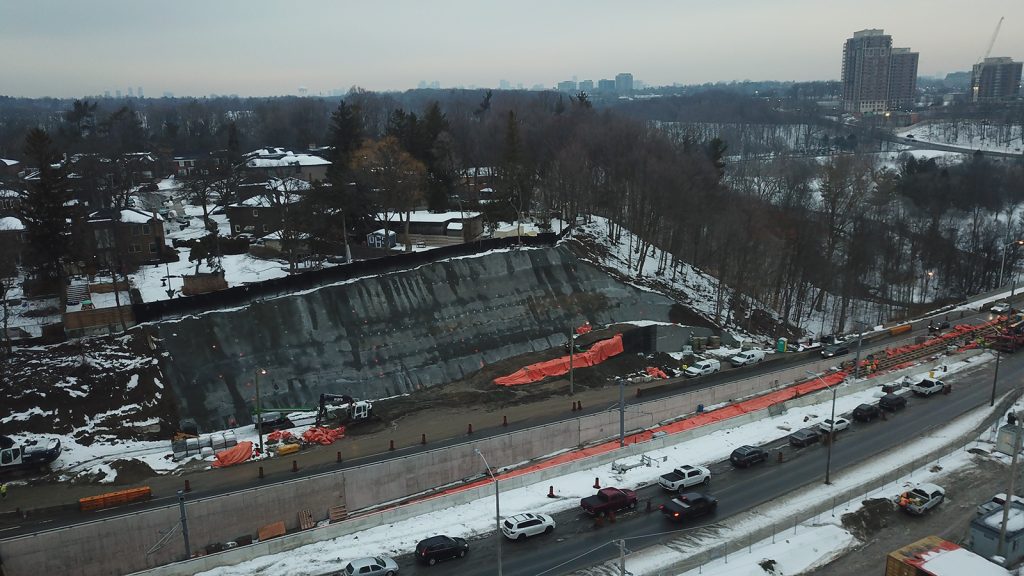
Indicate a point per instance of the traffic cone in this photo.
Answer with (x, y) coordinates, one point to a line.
(597, 483)
(551, 492)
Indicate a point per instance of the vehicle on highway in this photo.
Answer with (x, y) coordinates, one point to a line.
(927, 387)
(892, 402)
(804, 437)
(438, 548)
(702, 367)
(684, 477)
(865, 413)
(689, 505)
(839, 425)
(1000, 308)
(747, 357)
(522, 526)
(835, 350)
(375, 566)
(608, 500)
(921, 498)
(746, 456)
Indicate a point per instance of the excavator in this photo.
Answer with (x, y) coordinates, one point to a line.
(343, 408)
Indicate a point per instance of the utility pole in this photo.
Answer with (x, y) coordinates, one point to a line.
(856, 361)
(184, 523)
(259, 410)
(622, 412)
(995, 378)
(622, 558)
(572, 351)
(1001, 550)
(497, 505)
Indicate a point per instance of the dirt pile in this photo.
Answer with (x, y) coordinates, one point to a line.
(873, 516)
(131, 471)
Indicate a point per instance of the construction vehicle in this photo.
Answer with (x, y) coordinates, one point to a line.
(347, 410)
(16, 457)
(1011, 336)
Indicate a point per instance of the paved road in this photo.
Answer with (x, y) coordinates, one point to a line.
(737, 490)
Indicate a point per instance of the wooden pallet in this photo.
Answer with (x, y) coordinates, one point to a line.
(337, 513)
(306, 520)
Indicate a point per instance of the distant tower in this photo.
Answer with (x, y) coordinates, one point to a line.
(866, 72)
(130, 92)
(117, 94)
(624, 83)
(138, 91)
(902, 79)
(995, 79)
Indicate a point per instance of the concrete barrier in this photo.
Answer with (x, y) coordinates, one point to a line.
(72, 550)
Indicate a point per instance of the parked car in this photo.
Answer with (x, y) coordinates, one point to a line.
(804, 437)
(438, 548)
(892, 402)
(702, 367)
(839, 425)
(684, 477)
(746, 456)
(927, 387)
(747, 357)
(375, 566)
(522, 526)
(921, 498)
(608, 500)
(865, 413)
(835, 350)
(689, 505)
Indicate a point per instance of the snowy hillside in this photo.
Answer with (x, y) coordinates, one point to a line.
(969, 134)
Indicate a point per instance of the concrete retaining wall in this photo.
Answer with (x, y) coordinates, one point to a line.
(224, 518)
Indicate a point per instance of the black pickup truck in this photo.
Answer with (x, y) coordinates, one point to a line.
(15, 457)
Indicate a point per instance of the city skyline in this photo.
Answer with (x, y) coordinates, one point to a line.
(265, 49)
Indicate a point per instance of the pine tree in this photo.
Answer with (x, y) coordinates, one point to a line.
(43, 212)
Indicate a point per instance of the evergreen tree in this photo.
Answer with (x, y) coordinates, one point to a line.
(42, 210)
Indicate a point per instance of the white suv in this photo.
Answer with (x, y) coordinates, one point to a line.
(521, 526)
(927, 387)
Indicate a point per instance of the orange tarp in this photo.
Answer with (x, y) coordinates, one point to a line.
(324, 436)
(271, 531)
(583, 329)
(234, 455)
(114, 498)
(598, 353)
(656, 372)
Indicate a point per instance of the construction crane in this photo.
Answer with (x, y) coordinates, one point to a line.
(980, 66)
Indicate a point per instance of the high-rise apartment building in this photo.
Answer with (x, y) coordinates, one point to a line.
(866, 71)
(624, 83)
(606, 85)
(995, 79)
(902, 79)
(567, 86)
(587, 85)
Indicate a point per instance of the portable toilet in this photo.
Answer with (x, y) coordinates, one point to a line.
(780, 346)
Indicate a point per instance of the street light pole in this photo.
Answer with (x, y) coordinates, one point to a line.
(259, 410)
(497, 506)
(572, 350)
(622, 412)
(1001, 548)
(995, 378)
(831, 430)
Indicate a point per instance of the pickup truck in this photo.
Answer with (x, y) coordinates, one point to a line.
(921, 498)
(702, 367)
(15, 457)
(747, 357)
(608, 500)
(684, 477)
(691, 505)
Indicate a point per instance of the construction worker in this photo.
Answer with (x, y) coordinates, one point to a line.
(3, 491)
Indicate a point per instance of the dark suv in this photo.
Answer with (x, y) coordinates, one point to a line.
(746, 456)
(804, 437)
(437, 548)
(865, 413)
(892, 402)
(835, 350)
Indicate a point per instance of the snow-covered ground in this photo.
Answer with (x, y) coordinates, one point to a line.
(970, 135)
(476, 518)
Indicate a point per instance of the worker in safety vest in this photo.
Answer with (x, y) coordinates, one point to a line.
(3, 491)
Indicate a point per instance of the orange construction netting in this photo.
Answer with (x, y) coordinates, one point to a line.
(322, 435)
(598, 353)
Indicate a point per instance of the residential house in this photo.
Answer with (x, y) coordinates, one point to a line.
(476, 183)
(264, 213)
(436, 229)
(10, 201)
(138, 237)
(184, 165)
(281, 163)
(12, 241)
(9, 167)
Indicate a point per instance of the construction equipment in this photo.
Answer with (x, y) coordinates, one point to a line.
(349, 409)
(1011, 337)
(978, 69)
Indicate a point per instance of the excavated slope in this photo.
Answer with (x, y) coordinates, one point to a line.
(380, 336)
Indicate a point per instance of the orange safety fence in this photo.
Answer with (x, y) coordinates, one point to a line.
(111, 499)
(322, 435)
(598, 353)
(234, 455)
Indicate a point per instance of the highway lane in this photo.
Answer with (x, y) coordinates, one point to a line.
(738, 490)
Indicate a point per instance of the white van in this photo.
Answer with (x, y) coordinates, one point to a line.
(747, 357)
(702, 367)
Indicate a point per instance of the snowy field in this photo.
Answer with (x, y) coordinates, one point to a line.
(968, 134)
(476, 518)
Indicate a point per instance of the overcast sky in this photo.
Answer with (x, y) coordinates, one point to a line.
(189, 47)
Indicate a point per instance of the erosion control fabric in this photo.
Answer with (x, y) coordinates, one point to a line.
(598, 353)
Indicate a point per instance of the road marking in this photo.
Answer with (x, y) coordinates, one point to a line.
(11, 528)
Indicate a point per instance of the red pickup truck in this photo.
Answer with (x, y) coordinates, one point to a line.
(608, 500)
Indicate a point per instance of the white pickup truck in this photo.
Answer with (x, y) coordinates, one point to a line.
(747, 357)
(684, 477)
(921, 498)
(702, 367)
